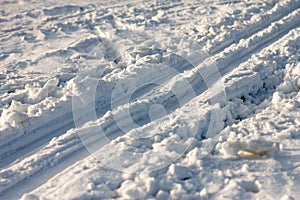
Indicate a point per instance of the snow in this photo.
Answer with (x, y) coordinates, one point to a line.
(149, 99)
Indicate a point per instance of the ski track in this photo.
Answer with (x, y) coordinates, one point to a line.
(228, 63)
(253, 50)
(254, 29)
(241, 83)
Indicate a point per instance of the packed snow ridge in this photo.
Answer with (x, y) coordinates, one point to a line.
(150, 99)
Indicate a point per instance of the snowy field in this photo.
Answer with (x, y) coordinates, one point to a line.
(165, 99)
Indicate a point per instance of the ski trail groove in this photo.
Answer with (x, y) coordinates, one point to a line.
(256, 46)
(291, 7)
(243, 82)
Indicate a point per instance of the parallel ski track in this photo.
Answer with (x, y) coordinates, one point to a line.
(275, 36)
(69, 123)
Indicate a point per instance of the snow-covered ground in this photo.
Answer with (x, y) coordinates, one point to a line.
(163, 99)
